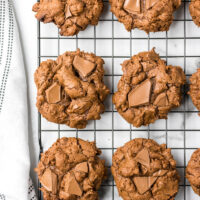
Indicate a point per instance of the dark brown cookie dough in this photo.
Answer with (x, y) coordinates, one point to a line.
(147, 15)
(71, 16)
(194, 91)
(194, 8)
(193, 172)
(144, 170)
(71, 90)
(71, 170)
(148, 89)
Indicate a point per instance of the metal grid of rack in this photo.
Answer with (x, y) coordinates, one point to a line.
(113, 43)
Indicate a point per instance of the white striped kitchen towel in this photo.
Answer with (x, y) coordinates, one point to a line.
(14, 151)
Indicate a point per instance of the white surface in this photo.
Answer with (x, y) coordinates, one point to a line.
(28, 34)
(175, 138)
(14, 153)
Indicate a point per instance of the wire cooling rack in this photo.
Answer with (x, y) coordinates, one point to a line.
(109, 39)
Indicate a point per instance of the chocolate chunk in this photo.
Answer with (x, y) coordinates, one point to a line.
(140, 95)
(72, 186)
(49, 181)
(150, 3)
(143, 184)
(161, 100)
(132, 6)
(143, 158)
(83, 167)
(161, 172)
(67, 12)
(83, 66)
(53, 93)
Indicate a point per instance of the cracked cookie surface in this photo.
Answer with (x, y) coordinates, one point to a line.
(194, 8)
(71, 170)
(148, 89)
(143, 169)
(194, 91)
(147, 15)
(71, 90)
(71, 16)
(192, 171)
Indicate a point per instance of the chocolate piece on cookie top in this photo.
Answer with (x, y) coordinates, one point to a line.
(132, 6)
(144, 184)
(137, 6)
(83, 66)
(140, 95)
(143, 158)
(53, 93)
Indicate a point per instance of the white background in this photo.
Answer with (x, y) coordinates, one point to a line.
(28, 32)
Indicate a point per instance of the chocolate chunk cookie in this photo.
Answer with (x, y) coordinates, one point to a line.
(148, 89)
(147, 15)
(71, 16)
(71, 170)
(194, 8)
(71, 90)
(193, 172)
(194, 91)
(143, 169)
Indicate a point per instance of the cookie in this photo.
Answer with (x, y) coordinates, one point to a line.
(195, 89)
(148, 89)
(194, 8)
(148, 15)
(143, 169)
(71, 169)
(70, 16)
(71, 90)
(192, 171)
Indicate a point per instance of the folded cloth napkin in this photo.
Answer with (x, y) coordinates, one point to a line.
(14, 151)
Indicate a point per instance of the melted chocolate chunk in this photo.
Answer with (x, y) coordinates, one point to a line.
(140, 95)
(53, 93)
(83, 66)
(143, 158)
(144, 184)
(132, 6)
